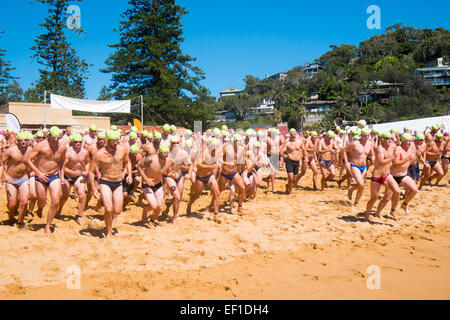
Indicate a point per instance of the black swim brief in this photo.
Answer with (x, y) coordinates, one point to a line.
(113, 185)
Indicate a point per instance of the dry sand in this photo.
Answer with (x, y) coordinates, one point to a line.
(309, 245)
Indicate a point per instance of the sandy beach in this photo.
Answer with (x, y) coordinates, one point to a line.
(309, 245)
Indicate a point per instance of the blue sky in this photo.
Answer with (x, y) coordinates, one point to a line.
(230, 39)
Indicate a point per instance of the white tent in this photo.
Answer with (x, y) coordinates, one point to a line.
(418, 124)
(119, 106)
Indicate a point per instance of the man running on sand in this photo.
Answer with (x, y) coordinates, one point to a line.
(291, 151)
(152, 168)
(273, 153)
(418, 149)
(358, 150)
(180, 167)
(310, 149)
(205, 177)
(384, 154)
(111, 160)
(399, 169)
(445, 158)
(432, 155)
(92, 149)
(15, 174)
(135, 158)
(46, 160)
(327, 151)
(90, 138)
(75, 172)
(234, 160)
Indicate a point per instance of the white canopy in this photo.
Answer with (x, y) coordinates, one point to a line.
(418, 124)
(118, 106)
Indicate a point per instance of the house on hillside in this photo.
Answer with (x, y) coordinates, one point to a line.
(436, 72)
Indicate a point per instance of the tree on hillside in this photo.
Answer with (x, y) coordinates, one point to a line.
(63, 71)
(148, 61)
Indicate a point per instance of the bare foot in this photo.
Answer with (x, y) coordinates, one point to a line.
(144, 214)
(80, 220)
(405, 207)
(241, 211)
(350, 194)
(20, 226)
(189, 210)
(174, 221)
(216, 218)
(150, 225)
(47, 231)
(108, 236)
(394, 215)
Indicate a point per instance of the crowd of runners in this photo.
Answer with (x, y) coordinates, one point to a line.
(119, 168)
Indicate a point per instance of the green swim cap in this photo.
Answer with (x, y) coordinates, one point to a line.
(157, 135)
(22, 136)
(175, 139)
(213, 142)
(224, 133)
(54, 131)
(439, 135)
(150, 135)
(260, 133)
(330, 133)
(338, 128)
(189, 132)
(394, 130)
(173, 128)
(113, 135)
(354, 131)
(93, 127)
(40, 134)
(356, 137)
(365, 131)
(114, 127)
(29, 135)
(224, 127)
(420, 136)
(217, 132)
(166, 127)
(435, 127)
(134, 129)
(342, 131)
(163, 148)
(237, 137)
(248, 132)
(405, 136)
(145, 133)
(292, 130)
(133, 135)
(313, 133)
(134, 149)
(189, 143)
(386, 135)
(256, 144)
(101, 134)
(77, 137)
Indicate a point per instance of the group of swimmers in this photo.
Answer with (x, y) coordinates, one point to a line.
(120, 167)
